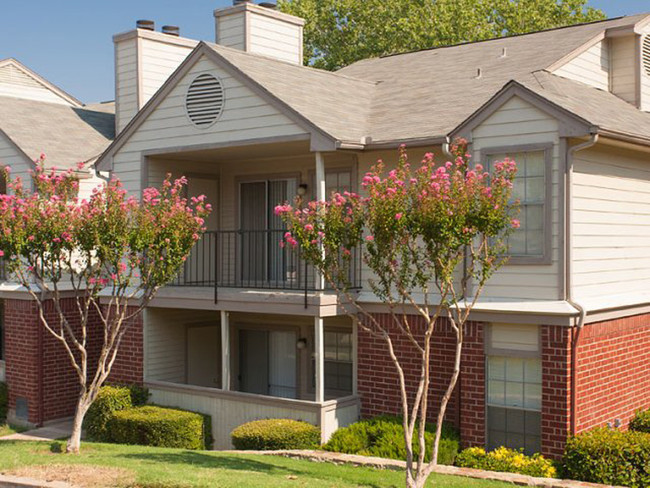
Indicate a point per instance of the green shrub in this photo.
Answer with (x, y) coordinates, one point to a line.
(641, 421)
(111, 399)
(273, 434)
(610, 457)
(384, 437)
(139, 395)
(506, 460)
(151, 425)
(4, 400)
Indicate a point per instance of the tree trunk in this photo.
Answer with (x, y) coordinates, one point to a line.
(74, 443)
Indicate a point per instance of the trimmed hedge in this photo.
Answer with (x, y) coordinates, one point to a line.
(610, 457)
(4, 401)
(273, 434)
(151, 425)
(110, 399)
(641, 421)
(384, 437)
(507, 461)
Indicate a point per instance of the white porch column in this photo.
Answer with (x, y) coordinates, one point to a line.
(355, 357)
(319, 359)
(225, 350)
(320, 196)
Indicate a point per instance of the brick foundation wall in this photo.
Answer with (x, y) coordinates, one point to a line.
(613, 371)
(378, 382)
(38, 368)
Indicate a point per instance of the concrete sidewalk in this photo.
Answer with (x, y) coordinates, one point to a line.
(56, 430)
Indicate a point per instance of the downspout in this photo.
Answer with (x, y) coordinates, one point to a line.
(575, 336)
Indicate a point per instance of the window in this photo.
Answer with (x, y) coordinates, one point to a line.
(530, 188)
(338, 180)
(514, 388)
(338, 361)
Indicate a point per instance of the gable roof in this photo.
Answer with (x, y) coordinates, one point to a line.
(66, 135)
(13, 68)
(428, 93)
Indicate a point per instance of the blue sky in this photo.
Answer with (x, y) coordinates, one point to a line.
(69, 41)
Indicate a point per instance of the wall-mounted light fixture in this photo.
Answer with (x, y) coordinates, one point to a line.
(302, 343)
(302, 189)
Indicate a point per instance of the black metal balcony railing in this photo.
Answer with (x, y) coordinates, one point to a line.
(251, 259)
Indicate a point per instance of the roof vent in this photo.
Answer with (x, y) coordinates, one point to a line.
(270, 5)
(171, 30)
(145, 24)
(204, 100)
(646, 54)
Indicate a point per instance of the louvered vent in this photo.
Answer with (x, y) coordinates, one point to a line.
(646, 54)
(204, 100)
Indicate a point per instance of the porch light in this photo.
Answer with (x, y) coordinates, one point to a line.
(302, 343)
(302, 189)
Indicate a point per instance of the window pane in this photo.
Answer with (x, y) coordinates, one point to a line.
(517, 242)
(497, 418)
(535, 163)
(514, 394)
(519, 189)
(535, 191)
(533, 396)
(533, 370)
(515, 423)
(514, 369)
(496, 392)
(496, 368)
(534, 242)
(534, 217)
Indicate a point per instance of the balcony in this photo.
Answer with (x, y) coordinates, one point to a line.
(252, 259)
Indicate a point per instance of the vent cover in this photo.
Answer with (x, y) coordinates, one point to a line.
(204, 101)
(646, 54)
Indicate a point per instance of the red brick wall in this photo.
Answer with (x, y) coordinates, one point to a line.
(38, 367)
(378, 382)
(556, 389)
(613, 371)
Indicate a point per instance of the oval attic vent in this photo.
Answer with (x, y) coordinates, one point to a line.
(204, 100)
(646, 54)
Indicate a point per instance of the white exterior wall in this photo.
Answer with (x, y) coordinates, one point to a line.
(20, 165)
(166, 347)
(126, 82)
(231, 30)
(624, 68)
(275, 38)
(611, 224)
(159, 60)
(14, 82)
(645, 78)
(591, 67)
(519, 123)
(245, 116)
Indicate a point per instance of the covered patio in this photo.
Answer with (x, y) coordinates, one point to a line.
(239, 367)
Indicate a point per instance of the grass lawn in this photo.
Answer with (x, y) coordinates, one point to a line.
(6, 429)
(134, 466)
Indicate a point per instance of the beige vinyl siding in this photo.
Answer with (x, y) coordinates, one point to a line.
(14, 82)
(645, 76)
(275, 38)
(159, 60)
(611, 223)
(126, 82)
(166, 347)
(590, 67)
(231, 30)
(519, 123)
(10, 156)
(624, 71)
(246, 116)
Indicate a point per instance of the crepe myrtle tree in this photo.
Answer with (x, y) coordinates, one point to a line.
(431, 236)
(109, 254)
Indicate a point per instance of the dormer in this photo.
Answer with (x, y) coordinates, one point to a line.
(618, 61)
(18, 81)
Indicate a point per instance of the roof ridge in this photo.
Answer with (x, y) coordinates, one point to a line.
(287, 63)
(466, 43)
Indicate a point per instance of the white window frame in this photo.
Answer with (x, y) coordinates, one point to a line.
(547, 227)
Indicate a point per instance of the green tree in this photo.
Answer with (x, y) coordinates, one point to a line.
(340, 32)
(431, 237)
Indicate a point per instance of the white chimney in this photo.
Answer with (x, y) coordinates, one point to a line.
(144, 59)
(260, 29)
